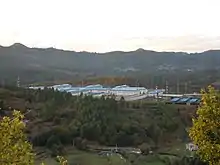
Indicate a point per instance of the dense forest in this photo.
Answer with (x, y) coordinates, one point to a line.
(56, 120)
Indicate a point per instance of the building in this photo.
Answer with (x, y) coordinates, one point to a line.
(130, 93)
(185, 100)
(75, 91)
(62, 87)
(125, 90)
(36, 88)
(95, 89)
(155, 92)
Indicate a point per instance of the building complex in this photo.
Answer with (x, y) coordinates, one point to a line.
(127, 92)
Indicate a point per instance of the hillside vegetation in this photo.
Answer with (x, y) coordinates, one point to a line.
(59, 120)
(150, 67)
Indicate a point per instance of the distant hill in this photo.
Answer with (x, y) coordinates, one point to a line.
(33, 64)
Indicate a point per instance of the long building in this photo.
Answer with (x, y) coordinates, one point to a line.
(125, 91)
(98, 90)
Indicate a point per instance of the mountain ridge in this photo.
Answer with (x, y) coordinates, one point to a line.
(20, 45)
(34, 64)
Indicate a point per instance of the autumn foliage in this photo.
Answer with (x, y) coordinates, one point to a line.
(205, 132)
(14, 147)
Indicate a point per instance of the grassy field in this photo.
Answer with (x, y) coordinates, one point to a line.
(85, 158)
(179, 149)
(76, 157)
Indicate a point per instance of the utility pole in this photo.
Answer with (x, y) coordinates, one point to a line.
(137, 83)
(18, 82)
(167, 88)
(156, 93)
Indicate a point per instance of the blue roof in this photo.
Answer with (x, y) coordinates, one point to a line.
(175, 99)
(121, 86)
(61, 86)
(198, 101)
(152, 92)
(125, 89)
(73, 90)
(193, 100)
(94, 86)
(95, 93)
(97, 89)
(183, 100)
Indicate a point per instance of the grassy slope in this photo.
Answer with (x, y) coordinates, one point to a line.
(85, 158)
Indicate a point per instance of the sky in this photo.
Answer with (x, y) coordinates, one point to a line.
(109, 25)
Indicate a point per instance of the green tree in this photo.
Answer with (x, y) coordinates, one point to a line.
(205, 131)
(14, 147)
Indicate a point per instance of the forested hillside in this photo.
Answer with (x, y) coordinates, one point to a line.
(56, 120)
(40, 65)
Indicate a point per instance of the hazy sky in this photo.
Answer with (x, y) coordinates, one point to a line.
(106, 25)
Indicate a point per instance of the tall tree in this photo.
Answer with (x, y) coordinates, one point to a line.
(205, 131)
(14, 147)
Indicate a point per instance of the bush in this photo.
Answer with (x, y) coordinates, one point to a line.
(80, 143)
(145, 148)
